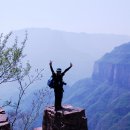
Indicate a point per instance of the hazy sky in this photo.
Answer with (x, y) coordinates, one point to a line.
(91, 16)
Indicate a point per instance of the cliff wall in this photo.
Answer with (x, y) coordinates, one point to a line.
(114, 67)
(112, 73)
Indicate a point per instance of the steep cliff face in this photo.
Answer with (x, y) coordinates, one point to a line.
(114, 67)
(106, 96)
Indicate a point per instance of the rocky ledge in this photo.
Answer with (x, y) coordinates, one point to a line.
(4, 124)
(69, 118)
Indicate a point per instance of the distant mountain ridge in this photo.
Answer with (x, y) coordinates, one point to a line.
(106, 94)
(82, 49)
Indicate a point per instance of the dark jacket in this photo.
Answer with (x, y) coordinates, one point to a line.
(58, 79)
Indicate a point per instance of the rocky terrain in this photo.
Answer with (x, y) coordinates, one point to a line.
(106, 94)
(69, 118)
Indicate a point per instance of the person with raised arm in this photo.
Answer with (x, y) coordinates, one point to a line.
(58, 84)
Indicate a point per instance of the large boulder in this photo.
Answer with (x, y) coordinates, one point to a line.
(69, 118)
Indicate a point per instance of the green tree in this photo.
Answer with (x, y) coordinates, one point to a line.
(12, 69)
(11, 59)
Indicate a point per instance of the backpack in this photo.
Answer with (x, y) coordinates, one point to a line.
(50, 82)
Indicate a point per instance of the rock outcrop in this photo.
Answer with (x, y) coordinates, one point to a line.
(114, 67)
(4, 124)
(69, 118)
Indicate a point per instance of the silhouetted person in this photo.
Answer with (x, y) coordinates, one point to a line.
(58, 85)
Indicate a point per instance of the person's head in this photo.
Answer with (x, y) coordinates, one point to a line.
(58, 71)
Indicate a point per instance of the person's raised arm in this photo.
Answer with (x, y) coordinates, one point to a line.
(51, 67)
(67, 69)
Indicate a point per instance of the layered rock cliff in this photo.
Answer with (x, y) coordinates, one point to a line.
(114, 67)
